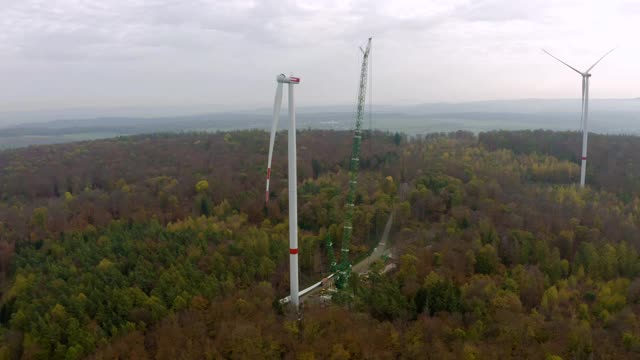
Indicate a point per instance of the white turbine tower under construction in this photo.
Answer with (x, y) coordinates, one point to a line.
(293, 182)
(585, 110)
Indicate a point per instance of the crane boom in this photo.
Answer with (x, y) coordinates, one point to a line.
(344, 268)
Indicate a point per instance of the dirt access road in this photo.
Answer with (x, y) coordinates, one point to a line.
(379, 251)
(361, 267)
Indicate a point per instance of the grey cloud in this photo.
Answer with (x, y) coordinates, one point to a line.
(632, 7)
(195, 46)
(66, 30)
(503, 10)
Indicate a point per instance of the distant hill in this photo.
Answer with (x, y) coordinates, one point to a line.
(607, 116)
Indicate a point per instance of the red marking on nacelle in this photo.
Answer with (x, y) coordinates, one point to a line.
(293, 251)
(294, 80)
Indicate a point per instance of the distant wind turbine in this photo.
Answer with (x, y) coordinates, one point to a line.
(293, 182)
(585, 110)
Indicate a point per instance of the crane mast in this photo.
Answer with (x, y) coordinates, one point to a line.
(343, 270)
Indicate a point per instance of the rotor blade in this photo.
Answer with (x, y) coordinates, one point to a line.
(277, 105)
(592, 66)
(571, 67)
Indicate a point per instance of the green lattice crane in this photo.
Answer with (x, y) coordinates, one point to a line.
(343, 269)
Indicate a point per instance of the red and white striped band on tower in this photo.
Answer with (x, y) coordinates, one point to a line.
(293, 251)
(584, 158)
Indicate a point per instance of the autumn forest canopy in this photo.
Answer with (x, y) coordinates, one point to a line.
(160, 247)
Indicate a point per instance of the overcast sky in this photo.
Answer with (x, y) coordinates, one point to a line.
(71, 53)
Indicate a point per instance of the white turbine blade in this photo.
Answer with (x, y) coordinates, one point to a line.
(277, 105)
(571, 67)
(592, 66)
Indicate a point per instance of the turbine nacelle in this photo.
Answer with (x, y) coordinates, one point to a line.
(283, 79)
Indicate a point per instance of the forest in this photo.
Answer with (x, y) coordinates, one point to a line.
(160, 247)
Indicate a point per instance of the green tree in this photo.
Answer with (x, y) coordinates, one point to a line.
(202, 186)
(486, 260)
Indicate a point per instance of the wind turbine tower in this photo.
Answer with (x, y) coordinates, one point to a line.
(585, 110)
(293, 182)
